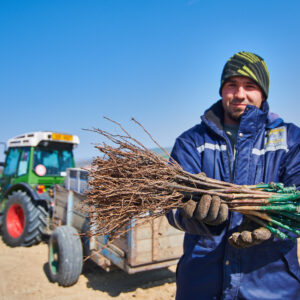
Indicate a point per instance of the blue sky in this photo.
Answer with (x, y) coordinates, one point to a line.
(64, 64)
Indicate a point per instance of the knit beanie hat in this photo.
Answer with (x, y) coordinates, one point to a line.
(248, 65)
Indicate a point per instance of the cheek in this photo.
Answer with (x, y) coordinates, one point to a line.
(227, 93)
(225, 103)
(256, 99)
(226, 99)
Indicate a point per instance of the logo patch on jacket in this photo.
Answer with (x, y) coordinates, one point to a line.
(276, 139)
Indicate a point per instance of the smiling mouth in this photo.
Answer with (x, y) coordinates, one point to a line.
(239, 104)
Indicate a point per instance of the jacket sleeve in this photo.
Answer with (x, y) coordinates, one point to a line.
(186, 154)
(290, 169)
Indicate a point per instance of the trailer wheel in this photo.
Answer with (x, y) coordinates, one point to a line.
(65, 256)
(24, 223)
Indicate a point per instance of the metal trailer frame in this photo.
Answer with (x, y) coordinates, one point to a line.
(144, 247)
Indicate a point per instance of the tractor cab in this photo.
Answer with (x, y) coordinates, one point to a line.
(39, 159)
(34, 163)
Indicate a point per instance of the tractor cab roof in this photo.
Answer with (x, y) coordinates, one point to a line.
(32, 139)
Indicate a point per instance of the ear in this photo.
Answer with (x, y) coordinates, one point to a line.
(263, 100)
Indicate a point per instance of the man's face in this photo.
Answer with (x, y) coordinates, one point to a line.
(236, 93)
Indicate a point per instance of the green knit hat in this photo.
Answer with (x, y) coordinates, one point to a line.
(249, 65)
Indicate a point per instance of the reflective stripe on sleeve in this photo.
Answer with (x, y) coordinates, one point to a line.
(211, 147)
(263, 151)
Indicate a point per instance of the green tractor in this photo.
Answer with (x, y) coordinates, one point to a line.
(34, 163)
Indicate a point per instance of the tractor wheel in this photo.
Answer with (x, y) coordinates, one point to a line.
(24, 223)
(65, 256)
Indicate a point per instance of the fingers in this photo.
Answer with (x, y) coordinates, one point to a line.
(222, 215)
(242, 239)
(261, 234)
(247, 238)
(203, 207)
(188, 209)
(211, 211)
(235, 241)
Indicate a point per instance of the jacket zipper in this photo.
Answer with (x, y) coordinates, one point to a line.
(227, 149)
(228, 157)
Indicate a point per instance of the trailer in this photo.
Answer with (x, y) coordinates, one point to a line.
(144, 247)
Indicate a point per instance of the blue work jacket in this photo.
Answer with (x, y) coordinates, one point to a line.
(267, 150)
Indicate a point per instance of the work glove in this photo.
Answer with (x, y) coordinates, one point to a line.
(209, 210)
(249, 235)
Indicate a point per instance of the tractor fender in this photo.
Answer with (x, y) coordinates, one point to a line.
(27, 188)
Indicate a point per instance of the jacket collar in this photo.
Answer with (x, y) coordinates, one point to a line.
(252, 120)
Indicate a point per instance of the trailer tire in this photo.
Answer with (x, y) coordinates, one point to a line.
(65, 256)
(24, 223)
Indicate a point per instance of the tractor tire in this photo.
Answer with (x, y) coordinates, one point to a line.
(24, 223)
(65, 256)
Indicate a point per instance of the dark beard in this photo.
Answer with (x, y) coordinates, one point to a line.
(234, 116)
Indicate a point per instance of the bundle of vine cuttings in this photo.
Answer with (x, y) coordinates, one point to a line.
(129, 183)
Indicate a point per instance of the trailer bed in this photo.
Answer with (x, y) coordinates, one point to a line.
(147, 246)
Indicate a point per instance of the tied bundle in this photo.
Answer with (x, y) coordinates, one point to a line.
(130, 183)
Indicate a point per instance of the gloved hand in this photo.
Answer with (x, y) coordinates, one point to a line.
(249, 235)
(209, 210)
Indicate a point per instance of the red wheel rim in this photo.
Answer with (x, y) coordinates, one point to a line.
(15, 220)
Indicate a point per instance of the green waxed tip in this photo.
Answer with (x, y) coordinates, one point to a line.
(280, 223)
(262, 186)
(284, 198)
(277, 188)
(286, 207)
(270, 227)
(278, 233)
(288, 215)
(279, 211)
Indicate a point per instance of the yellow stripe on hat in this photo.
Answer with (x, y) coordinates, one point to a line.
(265, 67)
(247, 72)
(244, 56)
(243, 72)
(248, 57)
(253, 56)
(250, 72)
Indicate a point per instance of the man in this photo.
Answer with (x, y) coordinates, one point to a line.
(238, 140)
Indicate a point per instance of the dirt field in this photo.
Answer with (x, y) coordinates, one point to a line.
(23, 273)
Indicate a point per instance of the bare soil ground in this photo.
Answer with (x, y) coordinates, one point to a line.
(23, 275)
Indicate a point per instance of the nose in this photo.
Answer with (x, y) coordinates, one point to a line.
(240, 93)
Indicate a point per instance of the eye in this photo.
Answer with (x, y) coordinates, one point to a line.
(230, 84)
(251, 86)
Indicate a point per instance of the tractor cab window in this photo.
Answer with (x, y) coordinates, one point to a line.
(52, 159)
(12, 162)
(24, 161)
